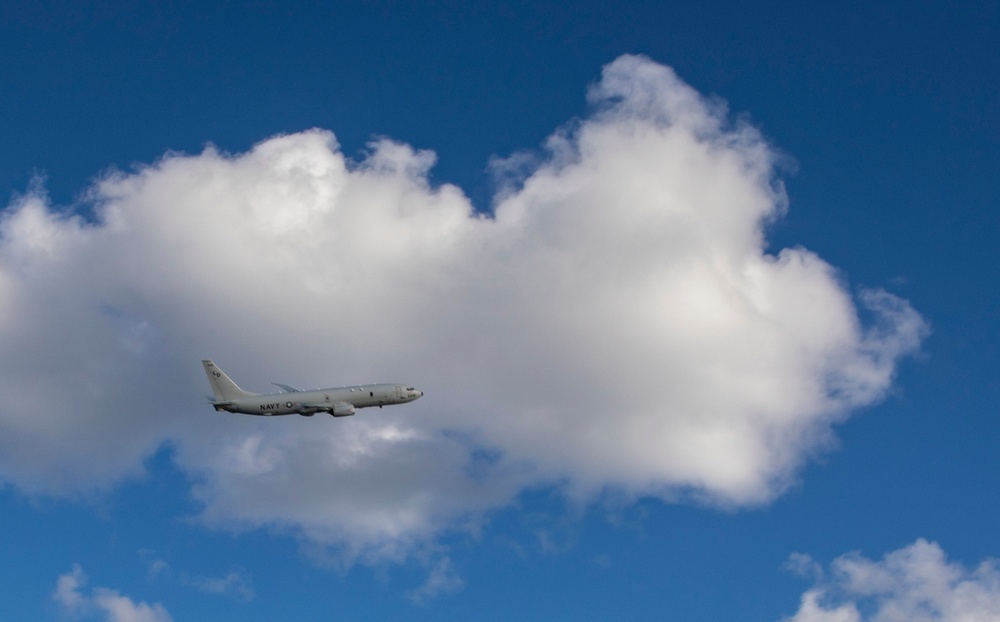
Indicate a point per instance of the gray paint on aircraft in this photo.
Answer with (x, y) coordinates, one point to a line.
(338, 401)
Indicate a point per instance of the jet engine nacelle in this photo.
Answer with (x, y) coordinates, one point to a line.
(343, 410)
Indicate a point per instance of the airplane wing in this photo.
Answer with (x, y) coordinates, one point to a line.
(285, 387)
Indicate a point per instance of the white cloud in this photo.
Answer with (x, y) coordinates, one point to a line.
(913, 584)
(111, 605)
(155, 566)
(615, 325)
(442, 578)
(236, 583)
(67, 592)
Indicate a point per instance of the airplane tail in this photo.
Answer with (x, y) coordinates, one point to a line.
(223, 387)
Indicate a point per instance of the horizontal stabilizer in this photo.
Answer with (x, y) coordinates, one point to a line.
(285, 387)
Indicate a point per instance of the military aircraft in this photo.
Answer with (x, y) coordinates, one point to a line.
(339, 402)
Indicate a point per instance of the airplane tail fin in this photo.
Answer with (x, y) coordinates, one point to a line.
(222, 386)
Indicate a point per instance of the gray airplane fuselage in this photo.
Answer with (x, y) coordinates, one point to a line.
(338, 401)
(321, 400)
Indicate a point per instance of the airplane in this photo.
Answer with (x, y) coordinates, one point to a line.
(339, 401)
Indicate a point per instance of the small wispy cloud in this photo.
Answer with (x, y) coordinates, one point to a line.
(156, 567)
(110, 604)
(442, 578)
(236, 584)
(804, 566)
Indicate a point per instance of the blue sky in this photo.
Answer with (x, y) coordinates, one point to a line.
(659, 384)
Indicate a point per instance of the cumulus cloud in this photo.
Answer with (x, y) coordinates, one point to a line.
(614, 324)
(111, 605)
(913, 584)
